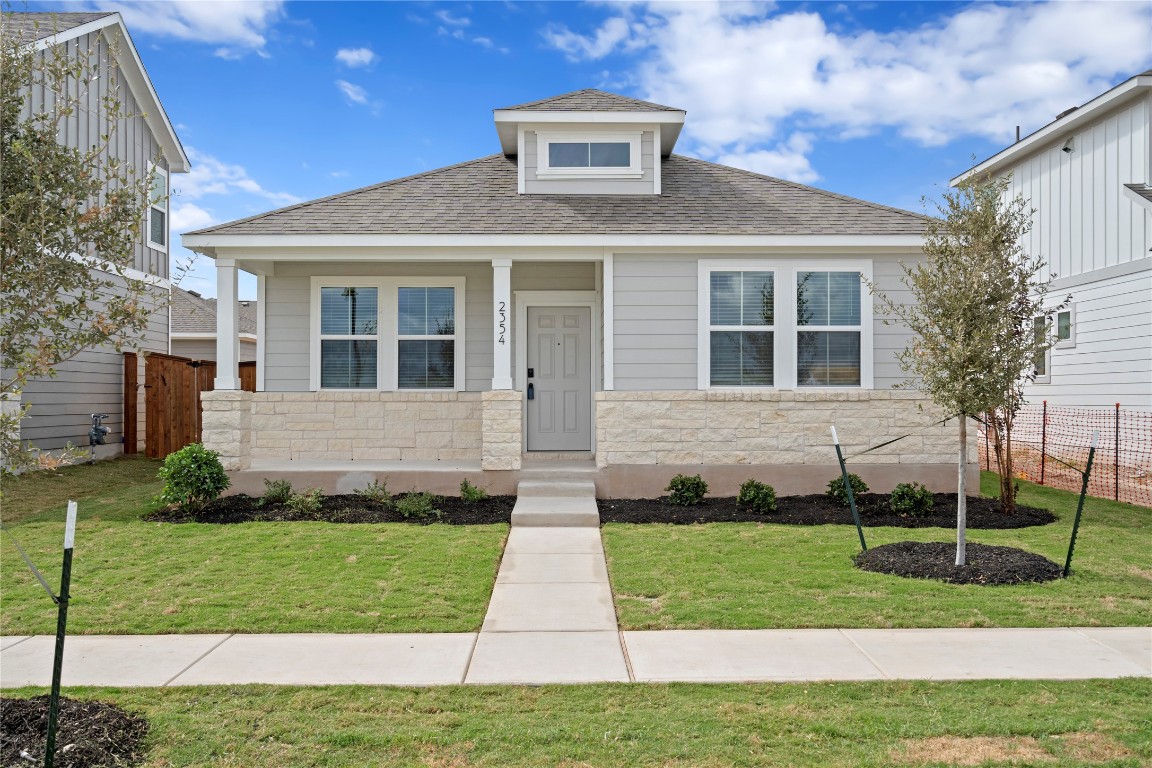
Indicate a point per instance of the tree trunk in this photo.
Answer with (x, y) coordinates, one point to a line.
(961, 493)
(999, 422)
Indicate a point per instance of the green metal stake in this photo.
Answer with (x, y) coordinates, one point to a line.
(848, 488)
(1080, 506)
(61, 624)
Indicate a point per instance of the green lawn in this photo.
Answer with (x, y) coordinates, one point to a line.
(745, 575)
(1083, 723)
(134, 577)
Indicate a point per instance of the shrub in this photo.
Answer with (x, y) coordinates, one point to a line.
(377, 492)
(193, 476)
(757, 496)
(470, 493)
(275, 492)
(837, 492)
(307, 502)
(911, 499)
(686, 491)
(421, 506)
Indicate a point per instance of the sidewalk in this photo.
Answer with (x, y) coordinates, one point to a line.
(651, 657)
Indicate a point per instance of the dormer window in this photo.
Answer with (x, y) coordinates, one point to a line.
(583, 155)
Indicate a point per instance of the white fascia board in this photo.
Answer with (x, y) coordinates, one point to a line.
(138, 82)
(212, 244)
(1055, 131)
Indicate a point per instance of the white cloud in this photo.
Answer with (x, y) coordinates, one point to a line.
(453, 21)
(237, 26)
(486, 42)
(456, 33)
(187, 217)
(751, 77)
(355, 57)
(353, 93)
(788, 161)
(210, 176)
(339, 174)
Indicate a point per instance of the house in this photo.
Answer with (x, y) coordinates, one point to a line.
(93, 382)
(583, 294)
(1088, 177)
(193, 323)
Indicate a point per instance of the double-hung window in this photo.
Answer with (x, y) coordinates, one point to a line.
(157, 225)
(391, 333)
(596, 155)
(828, 329)
(742, 322)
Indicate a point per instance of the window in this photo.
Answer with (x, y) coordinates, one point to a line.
(158, 211)
(601, 155)
(828, 336)
(387, 333)
(349, 338)
(742, 328)
(1066, 328)
(426, 338)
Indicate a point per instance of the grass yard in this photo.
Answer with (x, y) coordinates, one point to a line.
(1083, 723)
(753, 576)
(133, 577)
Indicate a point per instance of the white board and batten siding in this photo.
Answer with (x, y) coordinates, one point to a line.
(656, 319)
(61, 407)
(1095, 238)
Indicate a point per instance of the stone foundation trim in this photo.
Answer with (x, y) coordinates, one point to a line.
(502, 429)
(227, 426)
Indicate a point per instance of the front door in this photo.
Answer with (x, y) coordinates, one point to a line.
(559, 385)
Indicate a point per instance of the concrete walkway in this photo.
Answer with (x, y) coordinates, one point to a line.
(552, 620)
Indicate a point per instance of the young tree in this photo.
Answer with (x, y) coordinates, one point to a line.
(69, 220)
(976, 296)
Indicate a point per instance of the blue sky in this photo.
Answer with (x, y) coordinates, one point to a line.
(278, 102)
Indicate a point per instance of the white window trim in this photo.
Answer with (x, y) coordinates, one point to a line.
(387, 346)
(633, 171)
(164, 207)
(785, 338)
(1070, 342)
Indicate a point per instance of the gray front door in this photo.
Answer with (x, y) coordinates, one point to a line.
(559, 413)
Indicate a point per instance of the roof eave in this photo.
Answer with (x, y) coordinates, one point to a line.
(507, 120)
(1108, 100)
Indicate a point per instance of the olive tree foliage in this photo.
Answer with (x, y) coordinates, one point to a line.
(69, 220)
(976, 296)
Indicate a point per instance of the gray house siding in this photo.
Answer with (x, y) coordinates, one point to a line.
(205, 349)
(643, 186)
(656, 321)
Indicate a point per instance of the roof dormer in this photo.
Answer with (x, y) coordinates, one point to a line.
(588, 142)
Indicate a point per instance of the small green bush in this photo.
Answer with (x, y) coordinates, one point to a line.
(836, 490)
(470, 493)
(193, 476)
(687, 491)
(275, 492)
(307, 502)
(911, 499)
(757, 496)
(421, 506)
(376, 492)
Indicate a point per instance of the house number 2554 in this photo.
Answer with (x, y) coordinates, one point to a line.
(502, 316)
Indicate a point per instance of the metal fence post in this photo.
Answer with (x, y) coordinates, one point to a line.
(1116, 454)
(1043, 441)
(848, 490)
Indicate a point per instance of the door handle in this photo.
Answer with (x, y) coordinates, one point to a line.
(531, 391)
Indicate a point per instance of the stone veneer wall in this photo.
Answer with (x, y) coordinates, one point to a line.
(769, 427)
(503, 429)
(226, 426)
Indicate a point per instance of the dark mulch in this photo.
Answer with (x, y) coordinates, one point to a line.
(89, 734)
(340, 509)
(818, 509)
(986, 565)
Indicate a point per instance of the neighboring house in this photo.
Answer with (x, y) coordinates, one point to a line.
(93, 382)
(582, 293)
(193, 319)
(1088, 176)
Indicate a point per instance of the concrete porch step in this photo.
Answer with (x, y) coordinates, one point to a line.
(555, 504)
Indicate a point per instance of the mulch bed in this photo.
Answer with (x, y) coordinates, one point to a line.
(986, 565)
(818, 509)
(89, 734)
(348, 508)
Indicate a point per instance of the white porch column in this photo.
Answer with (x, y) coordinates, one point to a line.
(501, 323)
(227, 329)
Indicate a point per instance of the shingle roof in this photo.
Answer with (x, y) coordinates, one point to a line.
(592, 100)
(192, 313)
(36, 26)
(1143, 190)
(479, 197)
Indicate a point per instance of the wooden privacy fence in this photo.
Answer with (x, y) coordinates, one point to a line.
(172, 386)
